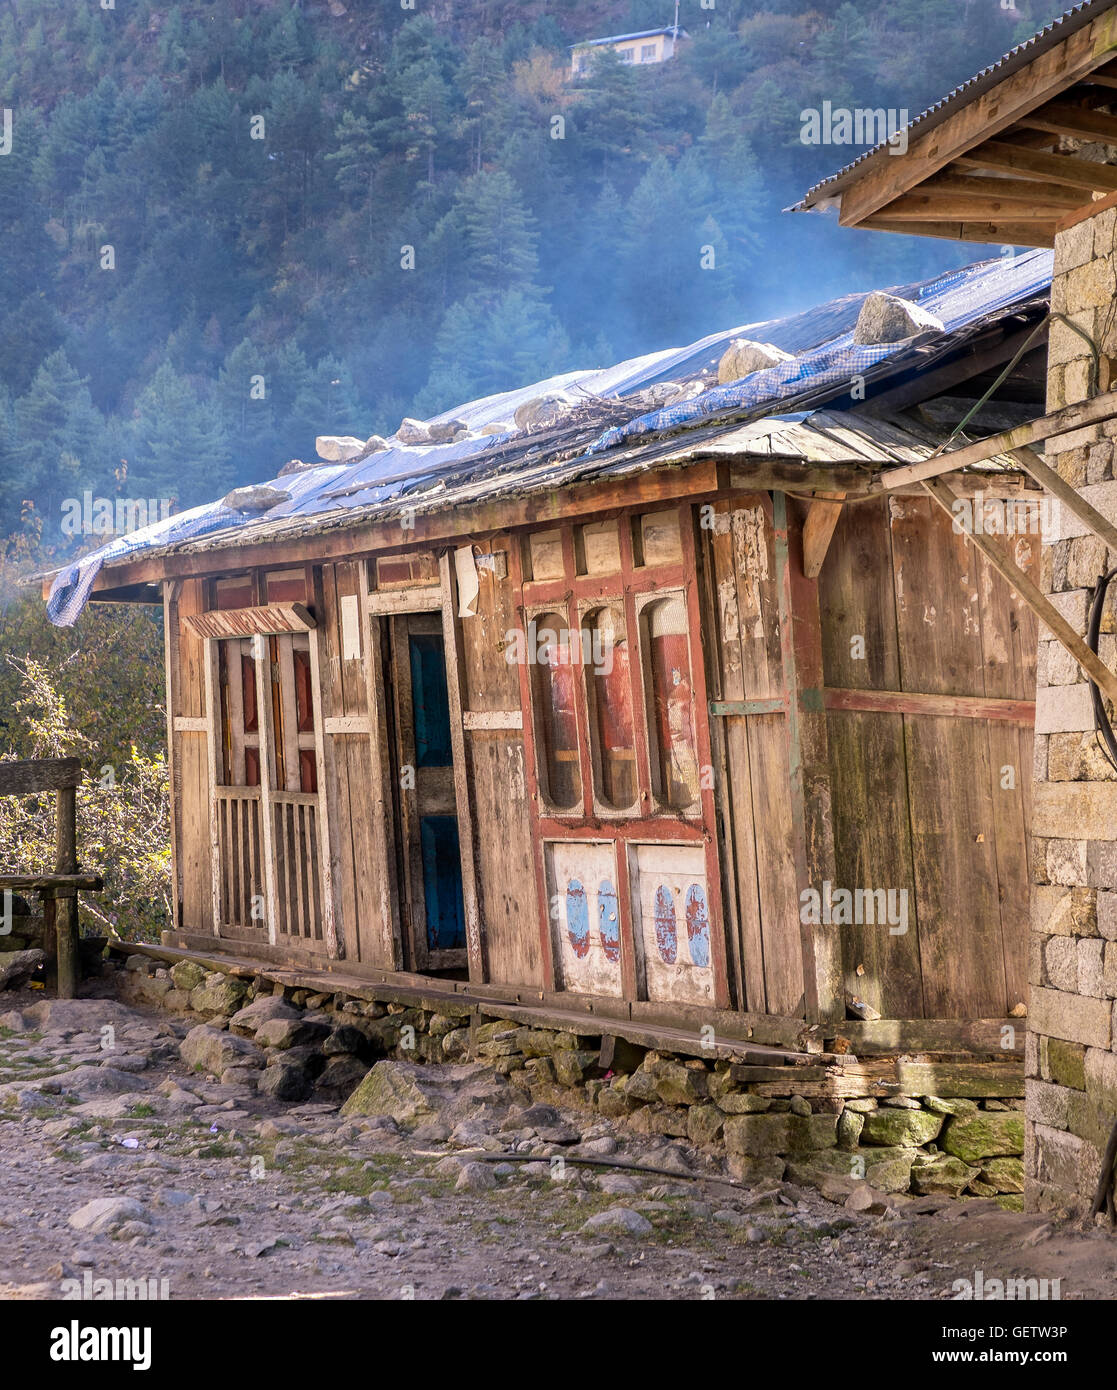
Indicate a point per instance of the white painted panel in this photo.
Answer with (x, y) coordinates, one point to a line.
(670, 908)
(585, 920)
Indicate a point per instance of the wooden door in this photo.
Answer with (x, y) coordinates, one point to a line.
(426, 806)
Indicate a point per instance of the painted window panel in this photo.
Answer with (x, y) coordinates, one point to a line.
(286, 586)
(400, 571)
(442, 883)
(597, 548)
(304, 700)
(239, 592)
(545, 554)
(556, 714)
(671, 913)
(584, 916)
(609, 683)
(661, 541)
(430, 701)
(670, 692)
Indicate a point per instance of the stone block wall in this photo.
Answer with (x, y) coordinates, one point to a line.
(1071, 1061)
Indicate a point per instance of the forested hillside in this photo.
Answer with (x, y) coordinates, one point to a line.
(207, 205)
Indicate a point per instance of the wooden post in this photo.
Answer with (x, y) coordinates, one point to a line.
(808, 760)
(66, 901)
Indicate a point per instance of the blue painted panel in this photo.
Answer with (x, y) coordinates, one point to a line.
(442, 882)
(430, 701)
(609, 921)
(666, 926)
(577, 919)
(698, 925)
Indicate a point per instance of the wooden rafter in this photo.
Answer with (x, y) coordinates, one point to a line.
(1004, 186)
(1063, 118)
(999, 233)
(1059, 168)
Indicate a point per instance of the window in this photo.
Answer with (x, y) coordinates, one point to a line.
(556, 715)
(648, 53)
(609, 689)
(669, 691)
(627, 55)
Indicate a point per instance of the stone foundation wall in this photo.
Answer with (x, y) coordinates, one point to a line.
(1072, 1044)
(302, 1045)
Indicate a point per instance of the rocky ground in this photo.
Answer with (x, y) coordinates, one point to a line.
(123, 1158)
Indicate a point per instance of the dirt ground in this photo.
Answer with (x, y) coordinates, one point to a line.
(224, 1193)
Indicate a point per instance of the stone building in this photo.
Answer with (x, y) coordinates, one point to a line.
(1025, 154)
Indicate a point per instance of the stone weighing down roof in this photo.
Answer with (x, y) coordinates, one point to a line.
(646, 413)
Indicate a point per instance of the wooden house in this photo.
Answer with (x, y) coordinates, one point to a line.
(576, 716)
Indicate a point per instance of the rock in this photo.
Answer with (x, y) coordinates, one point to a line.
(79, 1015)
(335, 448)
(342, 1074)
(867, 1200)
(941, 1173)
(106, 1214)
(376, 444)
(743, 357)
(677, 1084)
(413, 1095)
(571, 1068)
(211, 1050)
(413, 432)
(17, 966)
(985, 1134)
(750, 1169)
(850, 1125)
(622, 1219)
(542, 410)
(742, 1103)
(779, 1133)
(956, 1105)
(144, 964)
(284, 1083)
(14, 1021)
(293, 466)
(291, 1032)
(800, 1105)
(888, 1169)
(704, 1124)
(910, 1128)
(218, 994)
(99, 1080)
(447, 431)
(885, 318)
(1004, 1174)
(475, 1177)
(260, 498)
(350, 1040)
(263, 1009)
(308, 1057)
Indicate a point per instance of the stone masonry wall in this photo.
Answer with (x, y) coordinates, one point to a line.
(1071, 1063)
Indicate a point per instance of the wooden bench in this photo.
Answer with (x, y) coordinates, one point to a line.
(58, 890)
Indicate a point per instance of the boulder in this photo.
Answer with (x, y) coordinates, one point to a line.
(542, 410)
(338, 448)
(941, 1173)
(885, 318)
(260, 498)
(413, 1095)
(572, 1068)
(447, 431)
(187, 975)
(348, 1039)
(779, 1134)
(299, 1031)
(678, 1084)
(743, 357)
(621, 1219)
(218, 994)
(212, 1050)
(910, 1128)
(106, 1214)
(412, 432)
(263, 1009)
(475, 1177)
(17, 966)
(376, 444)
(282, 1082)
(96, 1081)
(1004, 1174)
(342, 1074)
(985, 1134)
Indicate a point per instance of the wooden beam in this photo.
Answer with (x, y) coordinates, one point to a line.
(989, 186)
(1058, 168)
(1068, 496)
(999, 234)
(993, 112)
(1021, 712)
(1046, 611)
(386, 602)
(818, 531)
(1065, 421)
(943, 207)
(1063, 118)
(27, 776)
(87, 883)
(808, 758)
(936, 380)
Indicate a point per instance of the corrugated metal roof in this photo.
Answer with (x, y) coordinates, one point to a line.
(1018, 57)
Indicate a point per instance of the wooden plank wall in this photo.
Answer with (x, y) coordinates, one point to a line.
(918, 797)
(495, 757)
(189, 751)
(365, 930)
(749, 666)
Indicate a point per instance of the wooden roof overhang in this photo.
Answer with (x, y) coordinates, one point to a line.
(1004, 159)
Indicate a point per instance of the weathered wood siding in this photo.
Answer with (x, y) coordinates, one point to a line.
(505, 859)
(923, 801)
(186, 694)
